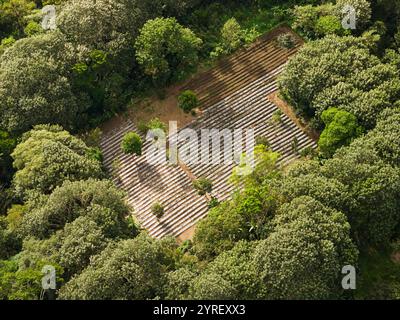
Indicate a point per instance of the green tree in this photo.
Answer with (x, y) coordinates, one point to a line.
(329, 192)
(203, 186)
(303, 257)
(129, 269)
(231, 35)
(341, 127)
(329, 25)
(165, 49)
(7, 144)
(24, 283)
(80, 240)
(9, 244)
(132, 144)
(32, 28)
(211, 286)
(188, 101)
(104, 25)
(47, 156)
(236, 275)
(362, 9)
(340, 72)
(178, 284)
(373, 188)
(307, 19)
(12, 15)
(219, 231)
(99, 200)
(35, 87)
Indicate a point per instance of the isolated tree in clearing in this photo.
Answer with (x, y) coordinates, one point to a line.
(188, 101)
(132, 144)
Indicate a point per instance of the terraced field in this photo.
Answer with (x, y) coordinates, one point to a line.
(233, 95)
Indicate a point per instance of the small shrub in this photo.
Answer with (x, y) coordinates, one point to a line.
(286, 41)
(295, 145)
(213, 203)
(142, 127)
(92, 138)
(276, 117)
(188, 101)
(154, 123)
(157, 209)
(132, 144)
(203, 186)
(262, 140)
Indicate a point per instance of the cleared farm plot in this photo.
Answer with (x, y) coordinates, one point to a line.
(233, 95)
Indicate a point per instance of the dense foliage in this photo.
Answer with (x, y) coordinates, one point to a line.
(340, 72)
(285, 233)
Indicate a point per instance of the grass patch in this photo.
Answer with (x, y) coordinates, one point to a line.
(379, 275)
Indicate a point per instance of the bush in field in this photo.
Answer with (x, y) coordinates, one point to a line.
(153, 124)
(188, 101)
(157, 209)
(286, 41)
(203, 186)
(132, 144)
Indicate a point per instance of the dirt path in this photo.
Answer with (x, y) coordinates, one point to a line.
(288, 110)
(187, 234)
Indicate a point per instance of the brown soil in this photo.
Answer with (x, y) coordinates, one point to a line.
(288, 110)
(396, 257)
(165, 109)
(187, 234)
(145, 109)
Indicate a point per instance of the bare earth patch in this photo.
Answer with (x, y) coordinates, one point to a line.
(187, 234)
(165, 109)
(145, 109)
(396, 257)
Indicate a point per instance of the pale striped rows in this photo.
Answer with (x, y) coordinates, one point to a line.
(248, 108)
(233, 95)
(146, 184)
